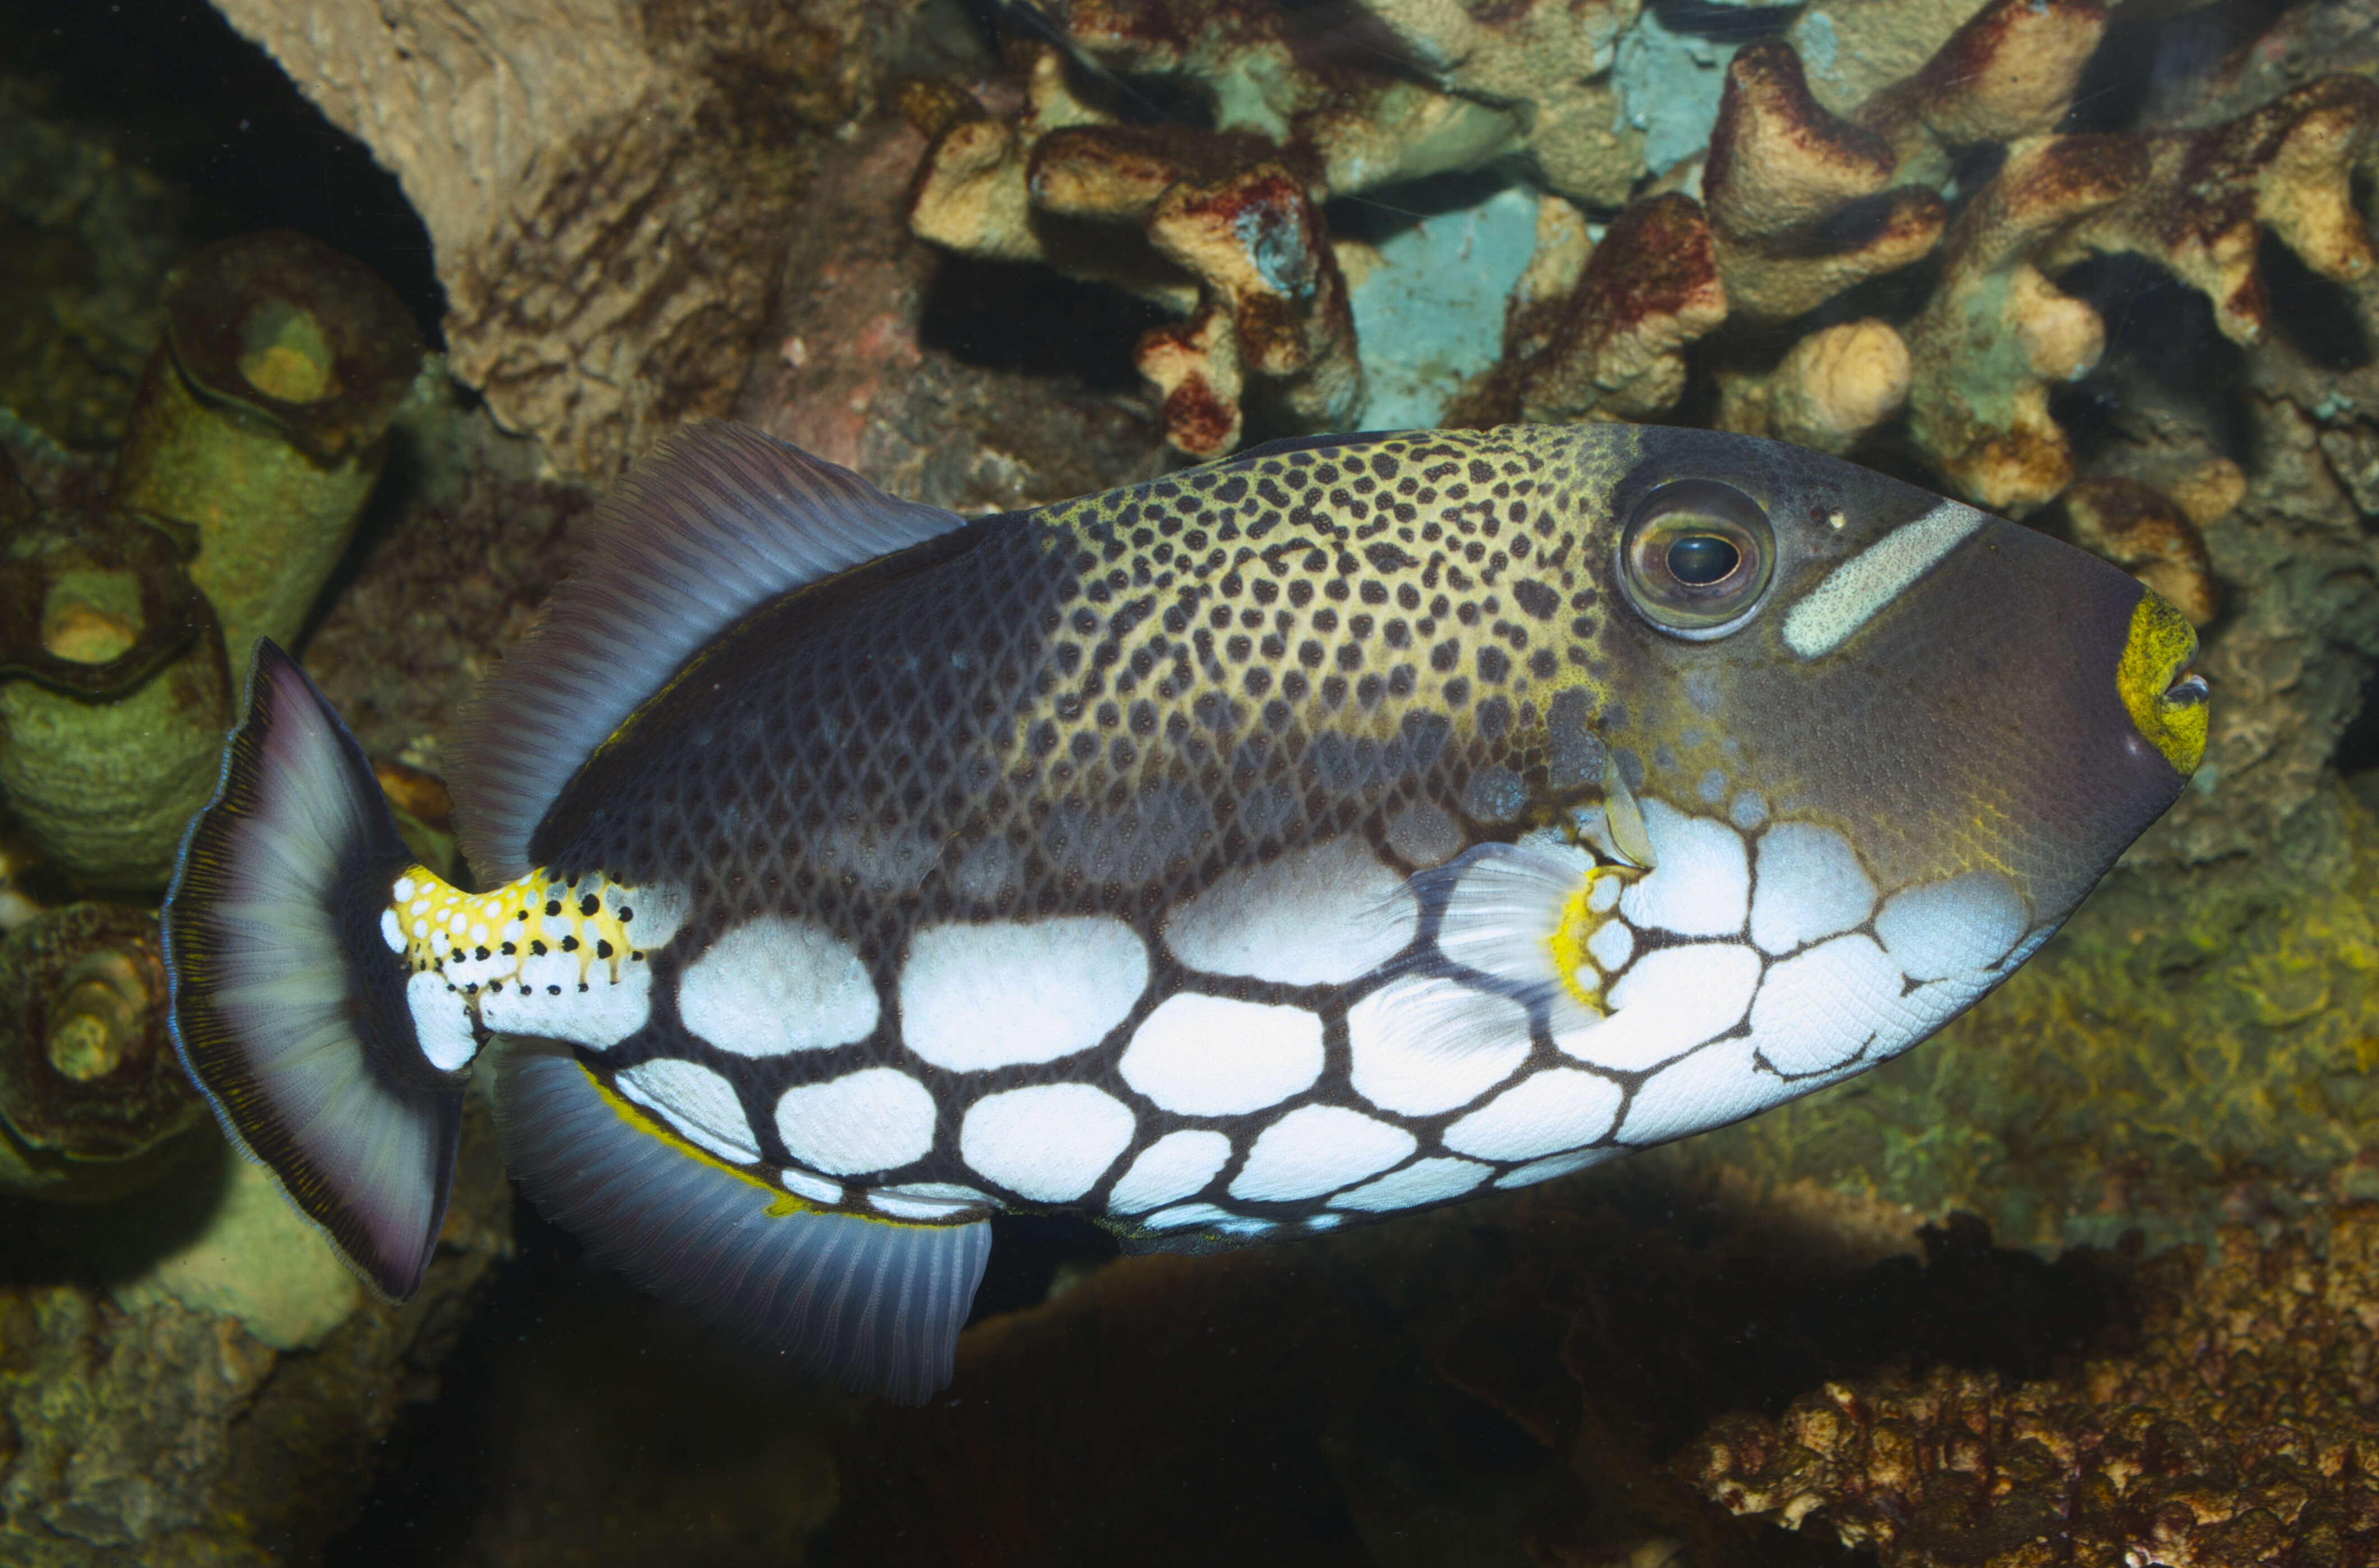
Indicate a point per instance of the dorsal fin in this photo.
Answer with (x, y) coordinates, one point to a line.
(716, 521)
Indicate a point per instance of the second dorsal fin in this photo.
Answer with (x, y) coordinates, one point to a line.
(719, 520)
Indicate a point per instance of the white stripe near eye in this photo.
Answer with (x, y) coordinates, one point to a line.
(1853, 591)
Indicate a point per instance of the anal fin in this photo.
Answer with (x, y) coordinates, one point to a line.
(874, 1304)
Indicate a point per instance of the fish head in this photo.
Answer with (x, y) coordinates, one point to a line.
(1857, 716)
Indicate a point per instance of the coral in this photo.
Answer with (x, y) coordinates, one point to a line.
(1778, 177)
(192, 1379)
(261, 419)
(114, 694)
(658, 148)
(93, 1102)
(1611, 346)
(1829, 390)
(2149, 534)
(2204, 197)
(1995, 334)
(2241, 1428)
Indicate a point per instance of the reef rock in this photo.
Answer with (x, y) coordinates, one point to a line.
(608, 186)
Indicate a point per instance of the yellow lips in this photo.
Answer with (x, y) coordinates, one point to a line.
(2169, 711)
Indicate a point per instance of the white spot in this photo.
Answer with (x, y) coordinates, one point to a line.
(659, 911)
(773, 985)
(1009, 992)
(926, 1199)
(404, 888)
(555, 1008)
(1423, 1045)
(1811, 887)
(1701, 884)
(1855, 590)
(1945, 928)
(1611, 945)
(818, 1189)
(870, 1120)
(1174, 1166)
(1604, 896)
(1188, 1215)
(1719, 1083)
(1211, 1056)
(1321, 915)
(391, 932)
(479, 935)
(1816, 1010)
(1558, 1108)
(1049, 1143)
(1424, 1181)
(696, 1102)
(455, 922)
(1670, 1002)
(1316, 1149)
(441, 1022)
(1558, 1165)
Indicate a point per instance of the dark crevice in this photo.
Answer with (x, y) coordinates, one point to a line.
(175, 91)
(1017, 316)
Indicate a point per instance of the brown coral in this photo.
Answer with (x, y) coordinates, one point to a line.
(1778, 173)
(2149, 535)
(2243, 1429)
(1997, 335)
(2205, 196)
(1614, 347)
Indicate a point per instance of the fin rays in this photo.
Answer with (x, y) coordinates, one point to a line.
(875, 1306)
(720, 520)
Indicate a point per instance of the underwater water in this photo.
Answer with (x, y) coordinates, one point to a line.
(337, 323)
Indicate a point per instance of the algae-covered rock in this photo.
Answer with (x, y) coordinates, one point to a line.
(192, 1379)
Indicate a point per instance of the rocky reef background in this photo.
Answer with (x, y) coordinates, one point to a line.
(2090, 1278)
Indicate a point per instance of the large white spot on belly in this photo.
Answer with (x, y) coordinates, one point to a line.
(1944, 928)
(1189, 1214)
(1558, 1108)
(1556, 1165)
(870, 1120)
(818, 1189)
(1700, 883)
(1174, 1166)
(442, 1022)
(1423, 1045)
(1049, 1143)
(1317, 916)
(1003, 993)
(926, 1200)
(1670, 1002)
(772, 986)
(1423, 1181)
(1817, 1009)
(1211, 1056)
(1719, 1083)
(545, 1000)
(696, 1102)
(1811, 887)
(1315, 1149)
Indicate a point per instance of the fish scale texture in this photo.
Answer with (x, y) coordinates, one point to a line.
(1098, 710)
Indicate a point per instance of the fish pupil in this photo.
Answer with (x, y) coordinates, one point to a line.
(1701, 559)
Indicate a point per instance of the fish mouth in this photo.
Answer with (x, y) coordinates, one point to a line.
(2166, 699)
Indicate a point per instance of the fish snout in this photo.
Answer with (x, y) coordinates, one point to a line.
(2165, 699)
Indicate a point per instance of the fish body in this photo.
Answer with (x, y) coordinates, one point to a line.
(1349, 827)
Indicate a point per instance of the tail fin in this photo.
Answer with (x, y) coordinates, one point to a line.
(289, 1006)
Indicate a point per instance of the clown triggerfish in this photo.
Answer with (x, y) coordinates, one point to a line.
(1348, 828)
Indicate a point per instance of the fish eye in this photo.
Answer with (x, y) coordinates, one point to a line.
(1696, 557)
